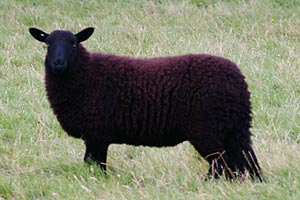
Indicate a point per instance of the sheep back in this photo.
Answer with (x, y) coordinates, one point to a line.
(155, 102)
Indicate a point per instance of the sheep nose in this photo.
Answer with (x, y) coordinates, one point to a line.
(59, 66)
(59, 62)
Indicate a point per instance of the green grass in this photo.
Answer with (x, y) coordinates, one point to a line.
(39, 161)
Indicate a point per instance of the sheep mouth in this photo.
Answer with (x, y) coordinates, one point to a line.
(59, 69)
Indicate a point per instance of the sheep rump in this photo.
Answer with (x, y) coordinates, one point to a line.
(106, 99)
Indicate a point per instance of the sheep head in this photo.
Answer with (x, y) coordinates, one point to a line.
(62, 46)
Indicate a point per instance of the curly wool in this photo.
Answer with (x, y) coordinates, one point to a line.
(105, 99)
(155, 102)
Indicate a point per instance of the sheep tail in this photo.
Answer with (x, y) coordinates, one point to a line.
(240, 156)
(251, 162)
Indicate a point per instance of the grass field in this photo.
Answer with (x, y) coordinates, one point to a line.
(39, 161)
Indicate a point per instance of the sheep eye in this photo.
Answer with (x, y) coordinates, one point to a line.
(73, 43)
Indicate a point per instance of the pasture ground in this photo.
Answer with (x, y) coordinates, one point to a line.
(39, 161)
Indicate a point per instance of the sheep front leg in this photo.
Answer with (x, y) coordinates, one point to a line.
(96, 151)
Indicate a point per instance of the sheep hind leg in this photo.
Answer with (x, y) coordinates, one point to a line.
(96, 151)
(215, 158)
(217, 165)
(235, 163)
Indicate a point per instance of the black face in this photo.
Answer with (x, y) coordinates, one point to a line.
(62, 46)
(61, 50)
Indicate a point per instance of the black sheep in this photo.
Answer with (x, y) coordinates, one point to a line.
(105, 99)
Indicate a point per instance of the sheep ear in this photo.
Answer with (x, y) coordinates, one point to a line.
(84, 34)
(38, 34)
